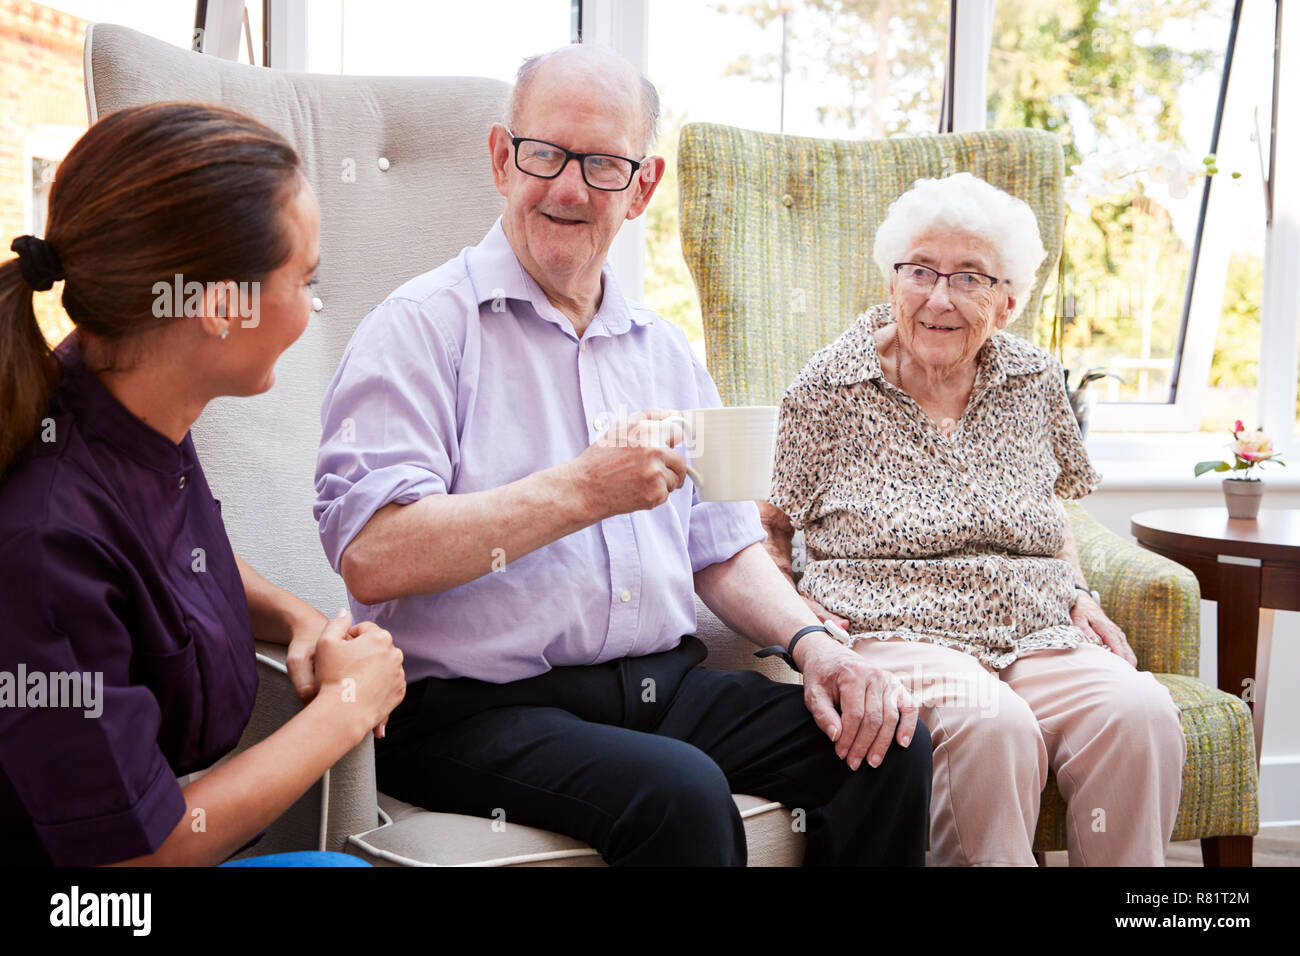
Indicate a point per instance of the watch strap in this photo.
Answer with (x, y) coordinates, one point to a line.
(787, 653)
(1091, 592)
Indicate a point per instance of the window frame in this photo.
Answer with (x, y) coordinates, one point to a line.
(1279, 314)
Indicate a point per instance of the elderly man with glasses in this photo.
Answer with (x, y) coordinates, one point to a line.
(496, 489)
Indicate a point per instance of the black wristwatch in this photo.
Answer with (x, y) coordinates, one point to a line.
(787, 654)
(1090, 592)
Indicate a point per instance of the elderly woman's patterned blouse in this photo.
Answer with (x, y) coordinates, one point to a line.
(916, 535)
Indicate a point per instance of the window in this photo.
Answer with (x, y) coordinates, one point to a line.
(42, 173)
(1120, 84)
(817, 68)
(1161, 282)
(400, 38)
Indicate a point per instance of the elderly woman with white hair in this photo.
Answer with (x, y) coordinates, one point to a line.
(923, 454)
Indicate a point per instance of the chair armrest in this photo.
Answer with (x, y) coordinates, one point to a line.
(345, 796)
(1156, 601)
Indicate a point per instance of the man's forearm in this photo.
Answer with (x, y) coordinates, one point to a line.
(443, 541)
(751, 596)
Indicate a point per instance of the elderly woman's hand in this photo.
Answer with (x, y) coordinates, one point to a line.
(1088, 617)
(858, 705)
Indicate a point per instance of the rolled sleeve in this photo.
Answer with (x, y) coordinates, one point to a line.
(91, 777)
(388, 423)
(719, 530)
(1076, 478)
(722, 529)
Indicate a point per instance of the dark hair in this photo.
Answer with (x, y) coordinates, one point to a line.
(147, 192)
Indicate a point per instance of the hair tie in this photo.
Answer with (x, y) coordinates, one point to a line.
(38, 262)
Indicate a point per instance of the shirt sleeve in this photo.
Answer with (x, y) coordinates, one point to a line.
(388, 423)
(799, 472)
(1077, 477)
(719, 530)
(78, 739)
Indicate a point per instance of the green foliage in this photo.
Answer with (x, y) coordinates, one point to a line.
(669, 288)
(1127, 299)
(878, 65)
(1053, 62)
(1236, 347)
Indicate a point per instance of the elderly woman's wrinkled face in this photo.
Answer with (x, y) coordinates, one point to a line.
(944, 325)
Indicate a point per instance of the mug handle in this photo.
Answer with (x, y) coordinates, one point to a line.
(695, 475)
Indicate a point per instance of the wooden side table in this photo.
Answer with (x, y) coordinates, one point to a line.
(1251, 568)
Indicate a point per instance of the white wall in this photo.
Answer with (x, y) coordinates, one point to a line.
(1113, 504)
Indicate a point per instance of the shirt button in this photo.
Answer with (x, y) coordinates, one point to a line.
(582, 347)
(626, 595)
(181, 483)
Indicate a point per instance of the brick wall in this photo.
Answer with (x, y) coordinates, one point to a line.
(41, 90)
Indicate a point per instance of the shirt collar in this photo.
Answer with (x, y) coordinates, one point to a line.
(99, 413)
(496, 273)
(1002, 355)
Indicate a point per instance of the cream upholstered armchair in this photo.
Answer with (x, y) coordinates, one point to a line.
(400, 167)
(777, 231)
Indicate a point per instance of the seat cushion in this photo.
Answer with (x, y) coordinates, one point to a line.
(416, 837)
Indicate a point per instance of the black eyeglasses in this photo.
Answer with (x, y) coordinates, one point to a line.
(605, 171)
(923, 279)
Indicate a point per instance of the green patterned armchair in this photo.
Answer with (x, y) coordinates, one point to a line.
(777, 231)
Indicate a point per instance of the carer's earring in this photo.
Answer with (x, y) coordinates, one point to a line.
(224, 333)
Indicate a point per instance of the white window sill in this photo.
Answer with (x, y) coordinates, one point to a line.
(1163, 461)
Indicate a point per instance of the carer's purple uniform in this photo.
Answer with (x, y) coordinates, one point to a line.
(113, 561)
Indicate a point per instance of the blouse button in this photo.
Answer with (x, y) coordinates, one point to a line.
(625, 596)
(181, 482)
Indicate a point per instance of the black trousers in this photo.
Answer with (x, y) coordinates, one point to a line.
(638, 757)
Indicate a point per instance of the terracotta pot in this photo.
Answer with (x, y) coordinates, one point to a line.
(1243, 497)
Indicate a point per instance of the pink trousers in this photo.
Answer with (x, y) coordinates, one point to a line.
(1112, 735)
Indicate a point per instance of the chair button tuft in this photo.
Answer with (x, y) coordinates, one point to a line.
(787, 200)
(383, 163)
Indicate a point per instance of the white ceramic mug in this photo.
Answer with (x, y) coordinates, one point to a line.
(730, 450)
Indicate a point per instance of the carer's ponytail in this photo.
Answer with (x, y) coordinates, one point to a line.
(147, 193)
(27, 369)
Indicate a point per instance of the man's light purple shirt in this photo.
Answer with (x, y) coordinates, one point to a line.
(466, 378)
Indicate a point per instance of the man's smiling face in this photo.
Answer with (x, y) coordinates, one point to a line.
(561, 229)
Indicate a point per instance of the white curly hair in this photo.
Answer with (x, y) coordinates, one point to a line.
(963, 202)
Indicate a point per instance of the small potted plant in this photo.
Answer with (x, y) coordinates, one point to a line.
(1249, 449)
(1081, 398)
